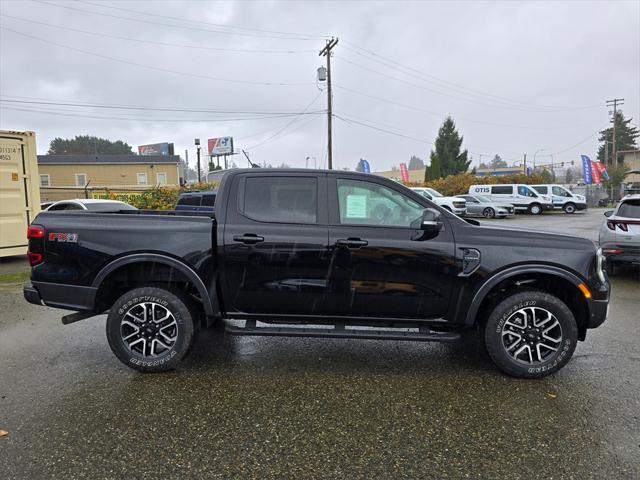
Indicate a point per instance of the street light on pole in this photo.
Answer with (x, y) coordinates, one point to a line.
(534, 158)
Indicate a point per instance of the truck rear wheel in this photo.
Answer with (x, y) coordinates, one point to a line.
(531, 334)
(150, 329)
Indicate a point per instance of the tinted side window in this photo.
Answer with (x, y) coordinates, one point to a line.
(629, 209)
(281, 199)
(502, 190)
(208, 200)
(542, 190)
(189, 200)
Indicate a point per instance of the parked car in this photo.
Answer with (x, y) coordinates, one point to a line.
(89, 204)
(197, 201)
(480, 206)
(562, 198)
(289, 248)
(522, 197)
(620, 233)
(457, 205)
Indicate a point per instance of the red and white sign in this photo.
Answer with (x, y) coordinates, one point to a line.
(220, 146)
(404, 171)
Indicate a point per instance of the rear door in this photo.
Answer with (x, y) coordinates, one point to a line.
(275, 244)
(382, 264)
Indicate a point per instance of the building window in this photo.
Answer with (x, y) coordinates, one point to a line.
(142, 179)
(161, 178)
(81, 179)
(45, 180)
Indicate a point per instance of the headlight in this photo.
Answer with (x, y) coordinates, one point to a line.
(599, 266)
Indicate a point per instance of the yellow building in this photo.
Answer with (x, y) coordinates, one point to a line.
(79, 176)
(632, 160)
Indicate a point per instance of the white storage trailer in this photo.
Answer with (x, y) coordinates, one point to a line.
(19, 190)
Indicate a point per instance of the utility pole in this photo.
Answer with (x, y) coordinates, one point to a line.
(197, 142)
(614, 103)
(326, 52)
(525, 164)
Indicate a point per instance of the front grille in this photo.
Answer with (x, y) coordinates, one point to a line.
(459, 204)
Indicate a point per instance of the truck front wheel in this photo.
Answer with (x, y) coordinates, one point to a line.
(531, 334)
(150, 329)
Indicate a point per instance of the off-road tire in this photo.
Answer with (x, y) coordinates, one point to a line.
(181, 309)
(506, 309)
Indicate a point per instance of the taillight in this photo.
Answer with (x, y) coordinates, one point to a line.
(35, 231)
(611, 225)
(35, 234)
(34, 258)
(623, 227)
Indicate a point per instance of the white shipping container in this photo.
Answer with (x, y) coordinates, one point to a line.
(19, 190)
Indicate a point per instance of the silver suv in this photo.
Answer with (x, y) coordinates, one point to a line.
(620, 233)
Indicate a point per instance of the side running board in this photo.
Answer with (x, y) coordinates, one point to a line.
(417, 334)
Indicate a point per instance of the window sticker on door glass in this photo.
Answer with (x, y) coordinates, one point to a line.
(356, 206)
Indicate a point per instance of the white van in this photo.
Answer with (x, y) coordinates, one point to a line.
(562, 197)
(522, 197)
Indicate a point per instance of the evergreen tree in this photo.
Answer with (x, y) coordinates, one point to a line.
(434, 170)
(416, 163)
(86, 144)
(447, 159)
(626, 136)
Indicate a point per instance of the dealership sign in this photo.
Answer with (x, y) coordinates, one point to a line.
(164, 148)
(220, 146)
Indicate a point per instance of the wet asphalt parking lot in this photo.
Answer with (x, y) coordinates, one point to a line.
(251, 407)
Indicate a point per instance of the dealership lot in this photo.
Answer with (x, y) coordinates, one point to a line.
(278, 407)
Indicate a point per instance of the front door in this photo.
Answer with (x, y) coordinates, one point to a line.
(275, 245)
(382, 264)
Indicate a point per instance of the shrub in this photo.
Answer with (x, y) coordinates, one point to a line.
(165, 198)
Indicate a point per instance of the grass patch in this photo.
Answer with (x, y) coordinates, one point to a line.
(14, 278)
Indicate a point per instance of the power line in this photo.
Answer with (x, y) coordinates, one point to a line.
(145, 108)
(442, 114)
(153, 67)
(148, 119)
(305, 35)
(410, 71)
(152, 42)
(184, 27)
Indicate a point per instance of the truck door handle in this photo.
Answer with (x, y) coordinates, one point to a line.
(351, 242)
(249, 238)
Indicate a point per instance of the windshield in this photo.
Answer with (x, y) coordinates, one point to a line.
(108, 206)
(433, 192)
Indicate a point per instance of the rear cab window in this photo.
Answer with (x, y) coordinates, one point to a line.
(193, 200)
(286, 199)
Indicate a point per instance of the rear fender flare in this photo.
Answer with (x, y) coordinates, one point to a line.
(211, 306)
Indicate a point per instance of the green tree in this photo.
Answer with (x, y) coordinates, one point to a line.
(568, 176)
(86, 144)
(546, 175)
(497, 162)
(617, 174)
(448, 159)
(359, 166)
(416, 163)
(626, 136)
(434, 170)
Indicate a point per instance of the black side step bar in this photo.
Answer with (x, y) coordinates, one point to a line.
(423, 334)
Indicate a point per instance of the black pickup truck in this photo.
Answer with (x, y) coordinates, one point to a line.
(310, 253)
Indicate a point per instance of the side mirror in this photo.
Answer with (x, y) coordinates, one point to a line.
(431, 221)
(608, 213)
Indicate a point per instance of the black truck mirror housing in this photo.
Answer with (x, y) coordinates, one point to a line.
(431, 221)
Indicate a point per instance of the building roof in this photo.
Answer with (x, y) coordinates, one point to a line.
(106, 159)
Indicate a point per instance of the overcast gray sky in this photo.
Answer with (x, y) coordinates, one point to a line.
(516, 77)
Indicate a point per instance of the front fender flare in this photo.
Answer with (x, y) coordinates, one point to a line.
(486, 287)
(211, 306)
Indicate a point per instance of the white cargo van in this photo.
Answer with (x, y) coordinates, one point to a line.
(562, 198)
(522, 197)
(19, 190)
